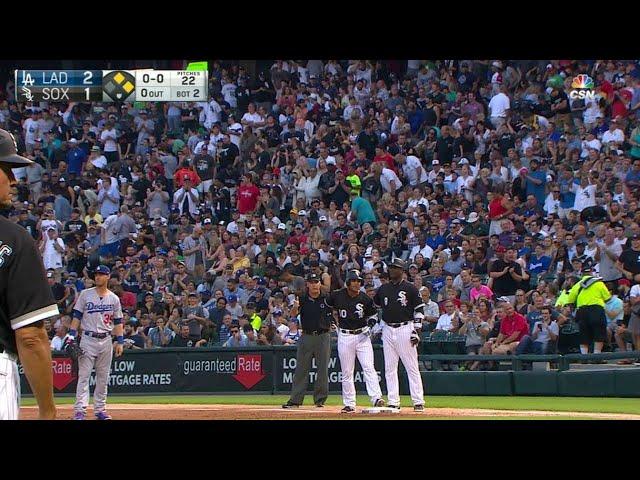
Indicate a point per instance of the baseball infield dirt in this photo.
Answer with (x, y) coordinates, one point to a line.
(254, 412)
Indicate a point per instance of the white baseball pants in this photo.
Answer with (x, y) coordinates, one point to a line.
(9, 387)
(350, 347)
(396, 344)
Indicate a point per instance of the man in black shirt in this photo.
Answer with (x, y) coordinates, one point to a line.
(444, 147)
(227, 152)
(28, 224)
(327, 182)
(204, 164)
(367, 141)
(402, 313)
(141, 186)
(315, 342)
(629, 261)
(506, 274)
(560, 107)
(262, 92)
(272, 132)
(264, 159)
(356, 313)
(74, 225)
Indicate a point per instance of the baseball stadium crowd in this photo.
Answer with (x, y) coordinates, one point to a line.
(497, 185)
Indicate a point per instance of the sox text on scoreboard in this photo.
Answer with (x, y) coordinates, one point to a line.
(111, 85)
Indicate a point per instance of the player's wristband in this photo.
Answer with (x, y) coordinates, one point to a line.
(73, 333)
(120, 339)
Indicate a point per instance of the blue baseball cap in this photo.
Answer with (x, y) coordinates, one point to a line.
(103, 269)
(232, 298)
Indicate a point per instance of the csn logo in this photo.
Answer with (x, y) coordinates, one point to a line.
(582, 86)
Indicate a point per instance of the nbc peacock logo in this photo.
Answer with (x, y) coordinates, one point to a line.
(582, 86)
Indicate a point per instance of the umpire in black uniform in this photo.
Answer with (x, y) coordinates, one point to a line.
(315, 324)
(25, 302)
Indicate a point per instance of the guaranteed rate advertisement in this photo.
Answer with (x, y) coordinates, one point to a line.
(221, 370)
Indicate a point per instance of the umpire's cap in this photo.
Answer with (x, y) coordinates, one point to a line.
(353, 275)
(103, 269)
(9, 150)
(397, 263)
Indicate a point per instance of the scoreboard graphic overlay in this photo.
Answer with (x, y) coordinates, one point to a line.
(111, 85)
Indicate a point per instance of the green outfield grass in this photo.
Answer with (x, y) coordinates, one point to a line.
(555, 404)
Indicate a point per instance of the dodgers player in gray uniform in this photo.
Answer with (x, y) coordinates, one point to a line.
(99, 313)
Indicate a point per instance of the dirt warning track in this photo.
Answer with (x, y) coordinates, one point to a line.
(274, 412)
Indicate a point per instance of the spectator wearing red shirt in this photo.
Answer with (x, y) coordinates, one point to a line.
(127, 299)
(298, 237)
(185, 172)
(513, 327)
(383, 156)
(621, 102)
(248, 195)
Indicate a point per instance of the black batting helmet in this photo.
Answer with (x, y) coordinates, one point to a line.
(353, 275)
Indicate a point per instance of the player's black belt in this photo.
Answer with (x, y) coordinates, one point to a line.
(354, 332)
(315, 332)
(97, 335)
(398, 325)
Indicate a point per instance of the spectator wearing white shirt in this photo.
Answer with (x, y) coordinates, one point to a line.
(499, 106)
(412, 169)
(425, 250)
(614, 137)
(57, 342)
(229, 93)
(97, 159)
(585, 194)
(234, 130)
(388, 178)
(210, 113)
(351, 108)
(252, 118)
(448, 321)
(108, 197)
(52, 249)
(31, 131)
(109, 137)
(466, 180)
(591, 142)
(187, 198)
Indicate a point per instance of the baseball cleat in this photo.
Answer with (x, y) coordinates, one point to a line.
(79, 416)
(103, 416)
(319, 405)
(348, 409)
(395, 407)
(379, 403)
(290, 405)
(418, 408)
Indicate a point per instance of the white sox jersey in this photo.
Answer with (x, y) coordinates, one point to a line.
(96, 313)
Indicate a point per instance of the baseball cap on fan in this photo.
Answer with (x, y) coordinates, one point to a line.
(9, 150)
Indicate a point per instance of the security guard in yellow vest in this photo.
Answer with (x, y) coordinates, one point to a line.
(589, 295)
(254, 319)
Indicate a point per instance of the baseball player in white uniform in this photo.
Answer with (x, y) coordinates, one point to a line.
(402, 314)
(98, 312)
(356, 313)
